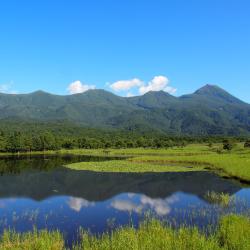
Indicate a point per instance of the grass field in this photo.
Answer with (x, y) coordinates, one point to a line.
(235, 163)
(129, 166)
(232, 234)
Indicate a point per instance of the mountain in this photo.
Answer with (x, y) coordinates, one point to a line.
(208, 111)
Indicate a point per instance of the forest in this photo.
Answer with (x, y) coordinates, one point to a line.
(28, 137)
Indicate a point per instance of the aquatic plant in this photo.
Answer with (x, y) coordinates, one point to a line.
(222, 199)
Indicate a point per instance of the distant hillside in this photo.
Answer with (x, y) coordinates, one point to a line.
(208, 111)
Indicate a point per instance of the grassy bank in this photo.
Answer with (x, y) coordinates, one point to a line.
(233, 233)
(234, 164)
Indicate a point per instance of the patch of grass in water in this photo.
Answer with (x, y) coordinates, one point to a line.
(235, 163)
(129, 166)
(222, 199)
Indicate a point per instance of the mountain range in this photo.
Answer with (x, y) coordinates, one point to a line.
(208, 111)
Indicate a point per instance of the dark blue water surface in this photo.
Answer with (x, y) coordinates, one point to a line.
(39, 192)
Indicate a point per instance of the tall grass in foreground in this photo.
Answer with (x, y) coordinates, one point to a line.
(233, 233)
(36, 240)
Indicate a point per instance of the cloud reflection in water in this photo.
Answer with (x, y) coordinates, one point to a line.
(160, 206)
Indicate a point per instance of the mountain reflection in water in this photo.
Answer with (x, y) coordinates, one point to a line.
(38, 192)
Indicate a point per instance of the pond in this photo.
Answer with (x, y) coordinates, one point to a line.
(38, 192)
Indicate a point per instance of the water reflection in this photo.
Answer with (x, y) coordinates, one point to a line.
(94, 186)
(158, 206)
(55, 197)
(78, 203)
(16, 164)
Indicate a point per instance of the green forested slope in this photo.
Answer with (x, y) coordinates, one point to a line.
(208, 111)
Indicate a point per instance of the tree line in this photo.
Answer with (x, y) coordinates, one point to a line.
(28, 137)
(18, 142)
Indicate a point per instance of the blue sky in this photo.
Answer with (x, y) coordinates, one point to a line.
(128, 47)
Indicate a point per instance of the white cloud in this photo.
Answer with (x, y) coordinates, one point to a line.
(136, 85)
(126, 84)
(156, 84)
(78, 203)
(7, 88)
(79, 87)
(4, 88)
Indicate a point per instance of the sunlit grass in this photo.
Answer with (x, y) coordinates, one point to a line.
(233, 164)
(128, 166)
(232, 233)
(222, 199)
(36, 240)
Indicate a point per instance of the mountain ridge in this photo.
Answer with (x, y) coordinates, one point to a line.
(208, 111)
(206, 89)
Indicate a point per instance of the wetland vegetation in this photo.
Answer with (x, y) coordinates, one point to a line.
(232, 233)
(234, 163)
(192, 207)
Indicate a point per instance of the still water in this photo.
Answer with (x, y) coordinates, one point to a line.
(39, 192)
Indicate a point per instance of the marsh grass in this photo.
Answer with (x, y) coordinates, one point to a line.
(35, 240)
(232, 233)
(130, 166)
(222, 199)
(234, 164)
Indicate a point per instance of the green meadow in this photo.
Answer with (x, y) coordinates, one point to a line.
(234, 163)
(130, 166)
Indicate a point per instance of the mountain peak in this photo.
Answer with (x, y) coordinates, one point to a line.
(155, 92)
(154, 99)
(209, 89)
(214, 92)
(40, 92)
(158, 94)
